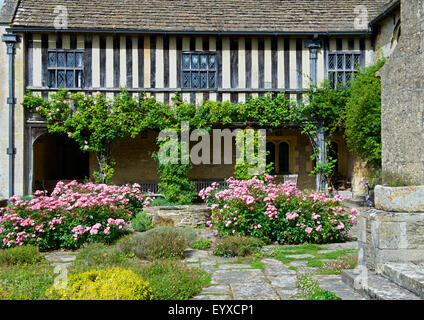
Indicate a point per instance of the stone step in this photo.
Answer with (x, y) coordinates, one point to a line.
(407, 275)
(375, 287)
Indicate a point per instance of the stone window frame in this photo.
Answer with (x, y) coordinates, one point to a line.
(74, 66)
(343, 65)
(198, 70)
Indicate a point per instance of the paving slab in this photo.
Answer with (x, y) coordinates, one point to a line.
(253, 291)
(234, 266)
(277, 270)
(218, 289)
(300, 256)
(285, 281)
(335, 284)
(237, 276)
(211, 297)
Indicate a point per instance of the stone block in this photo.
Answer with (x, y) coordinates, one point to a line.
(400, 199)
(390, 237)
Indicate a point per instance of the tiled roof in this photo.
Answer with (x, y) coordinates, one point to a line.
(200, 15)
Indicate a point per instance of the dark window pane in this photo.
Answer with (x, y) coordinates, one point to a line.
(357, 61)
(194, 61)
(340, 59)
(270, 157)
(52, 59)
(186, 61)
(203, 61)
(331, 61)
(203, 80)
(212, 79)
(212, 62)
(52, 79)
(61, 79)
(283, 157)
(61, 59)
(331, 78)
(195, 80)
(186, 79)
(348, 77)
(70, 59)
(348, 62)
(79, 59)
(70, 79)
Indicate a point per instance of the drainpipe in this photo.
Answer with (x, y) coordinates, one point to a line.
(11, 39)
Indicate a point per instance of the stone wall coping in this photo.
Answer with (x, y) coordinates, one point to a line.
(182, 207)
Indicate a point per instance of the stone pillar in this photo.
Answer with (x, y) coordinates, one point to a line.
(402, 98)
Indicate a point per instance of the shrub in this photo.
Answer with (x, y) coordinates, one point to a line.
(173, 280)
(142, 222)
(277, 212)
(20, 255)
(95, 254)
(158, 243)
(201, 244)
(234, 246)
(110, 284)
(74, 214)
(363, 115)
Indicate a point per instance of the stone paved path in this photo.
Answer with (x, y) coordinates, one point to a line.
(231, 280)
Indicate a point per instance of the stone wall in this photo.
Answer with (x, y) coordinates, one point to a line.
(134, 162)
(181, 216)
(403, 96)
(388, 236)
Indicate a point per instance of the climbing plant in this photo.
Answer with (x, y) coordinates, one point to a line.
(363, 116)
(95, 121)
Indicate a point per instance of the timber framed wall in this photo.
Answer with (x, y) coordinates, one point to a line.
(247, 66)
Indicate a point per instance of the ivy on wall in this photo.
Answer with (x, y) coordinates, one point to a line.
(95, 121)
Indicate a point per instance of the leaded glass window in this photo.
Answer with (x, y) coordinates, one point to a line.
(199, 70)
(65, 68)
(343, 66)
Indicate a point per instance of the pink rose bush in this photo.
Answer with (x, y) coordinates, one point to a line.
(278, 212)
(74, 214)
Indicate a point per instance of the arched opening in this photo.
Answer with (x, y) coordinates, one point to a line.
(57, 158)
(283, 158)
(333, 152)
(270, 157)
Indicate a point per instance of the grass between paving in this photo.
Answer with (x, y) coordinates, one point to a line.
(340, 259)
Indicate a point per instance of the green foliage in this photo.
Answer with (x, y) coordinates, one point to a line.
(142, 222)
(278, 212)
(110, 284)
(158, 243)
(20, 255)
(174, 280)
(363, 115)
(237, 246)
(95, 254)
(162, 202)
(201, 244)
(26, 282)
(95, 121)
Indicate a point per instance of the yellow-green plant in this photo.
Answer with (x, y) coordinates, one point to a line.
(110, 284)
